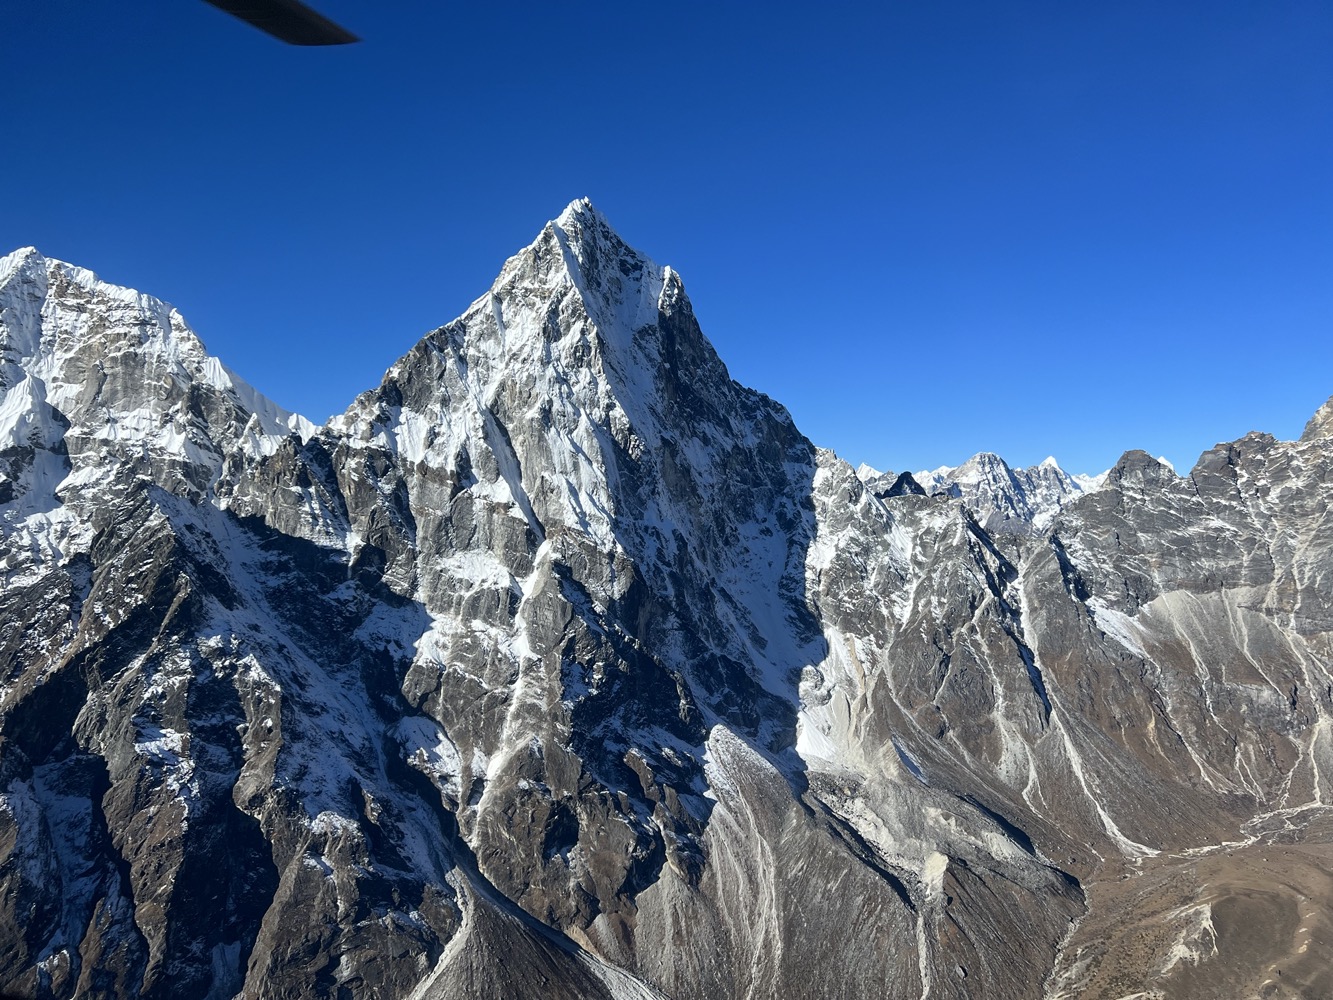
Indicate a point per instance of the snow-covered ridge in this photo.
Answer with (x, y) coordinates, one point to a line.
(988, 466)
(1001, 497)
(1006, 499)
(40, 336)
(107, 376)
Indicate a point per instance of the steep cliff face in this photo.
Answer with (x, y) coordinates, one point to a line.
(563, 665)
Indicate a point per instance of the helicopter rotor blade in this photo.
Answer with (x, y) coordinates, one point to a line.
(289, 20)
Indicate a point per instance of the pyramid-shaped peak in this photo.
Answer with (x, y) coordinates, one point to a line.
(986, 461)
(620, 287)
(579, 209)
(588, 235)
(24, 259)
(582, 220)
(19, 256)
(581, 246)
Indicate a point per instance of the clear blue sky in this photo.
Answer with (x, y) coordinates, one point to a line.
(928, 228)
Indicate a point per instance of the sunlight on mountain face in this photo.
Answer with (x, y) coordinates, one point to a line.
(562, 665)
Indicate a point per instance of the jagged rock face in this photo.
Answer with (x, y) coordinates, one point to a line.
(562, 665)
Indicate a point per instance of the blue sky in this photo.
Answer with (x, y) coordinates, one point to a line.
(929, 229)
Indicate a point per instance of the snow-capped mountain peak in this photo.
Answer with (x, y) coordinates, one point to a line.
(131, 383)
(1005, 499)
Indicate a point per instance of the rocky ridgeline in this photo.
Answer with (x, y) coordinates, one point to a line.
(1004, 500)
(562, 665)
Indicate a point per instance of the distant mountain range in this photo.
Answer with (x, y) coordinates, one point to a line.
(1004, 500)
(562, 665)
